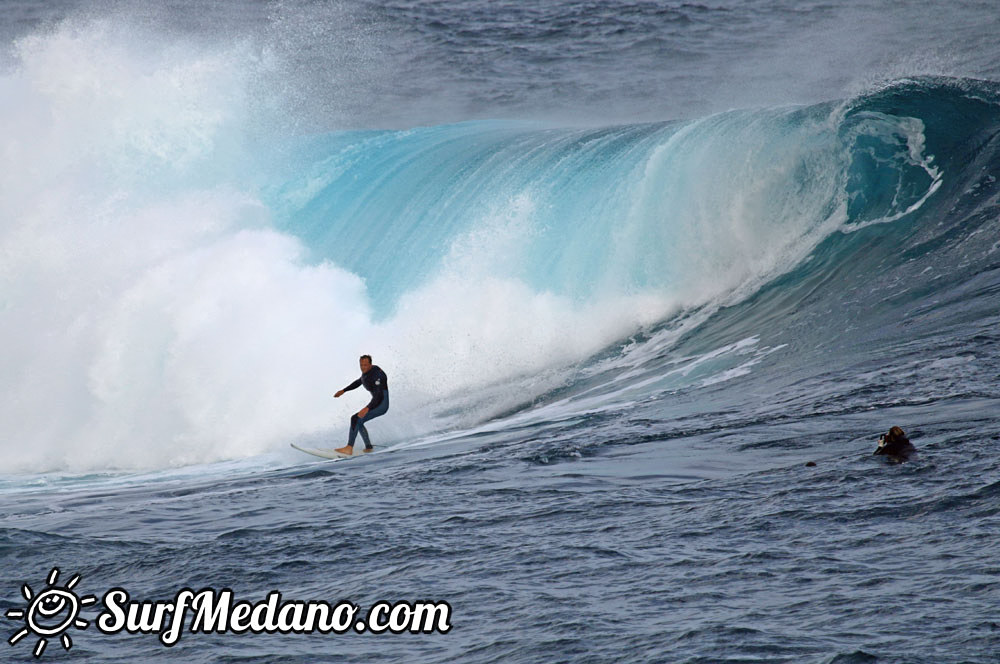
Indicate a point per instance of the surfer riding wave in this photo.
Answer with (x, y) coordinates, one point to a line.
(376, 382)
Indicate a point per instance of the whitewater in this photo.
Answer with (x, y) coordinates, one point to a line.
(629, 268)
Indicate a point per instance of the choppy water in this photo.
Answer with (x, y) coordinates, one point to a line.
(628, 267)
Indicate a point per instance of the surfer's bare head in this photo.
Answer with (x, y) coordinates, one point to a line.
(366, 363)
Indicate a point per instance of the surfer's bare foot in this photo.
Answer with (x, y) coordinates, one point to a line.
(369, 449)
(347, 449)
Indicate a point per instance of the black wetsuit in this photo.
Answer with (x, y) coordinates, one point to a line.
(376, 382)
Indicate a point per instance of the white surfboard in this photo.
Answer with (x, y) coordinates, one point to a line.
(328, 454)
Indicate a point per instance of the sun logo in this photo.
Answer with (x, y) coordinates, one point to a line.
(50, 613)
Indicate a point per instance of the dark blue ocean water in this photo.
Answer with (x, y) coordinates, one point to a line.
(628, 266)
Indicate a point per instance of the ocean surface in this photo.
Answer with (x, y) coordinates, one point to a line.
(629, 266)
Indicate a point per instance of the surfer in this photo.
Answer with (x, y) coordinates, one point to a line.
(895, 445)
(376, 382)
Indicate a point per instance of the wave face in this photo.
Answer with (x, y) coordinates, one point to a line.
(184, 283)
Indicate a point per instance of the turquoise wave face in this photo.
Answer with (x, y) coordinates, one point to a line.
(801, 210)
(685, 210)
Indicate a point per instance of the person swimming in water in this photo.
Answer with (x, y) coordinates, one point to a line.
(895, 445)
(376, 382)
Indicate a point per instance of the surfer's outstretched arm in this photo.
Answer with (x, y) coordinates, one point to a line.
(353, 386)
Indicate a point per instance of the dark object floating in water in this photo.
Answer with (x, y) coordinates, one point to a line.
(810, 463)
(895, 446)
